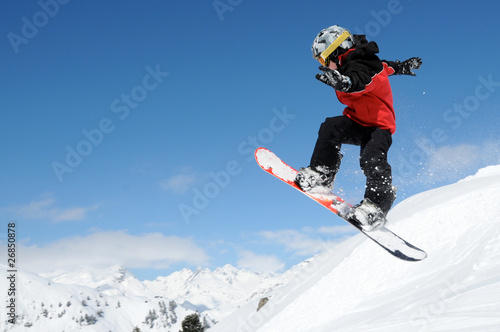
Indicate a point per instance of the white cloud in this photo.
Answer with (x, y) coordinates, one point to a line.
(308, 241)
(180, 183)
(261, 263)
(112, 248)
(45, 208)
(454, 162)
(337, 230)
(453, 158)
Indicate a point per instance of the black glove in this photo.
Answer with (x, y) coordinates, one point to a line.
(406, 67)
(334, 79)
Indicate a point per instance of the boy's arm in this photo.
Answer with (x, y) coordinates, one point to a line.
(358, 74)
(353, 77)
(405, 67)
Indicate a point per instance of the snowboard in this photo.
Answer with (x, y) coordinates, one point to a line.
(395, 245)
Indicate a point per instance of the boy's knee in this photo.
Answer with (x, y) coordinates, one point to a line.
(331, 126)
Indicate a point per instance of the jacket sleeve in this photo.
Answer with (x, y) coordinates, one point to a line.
(394, 67)
(361, 72)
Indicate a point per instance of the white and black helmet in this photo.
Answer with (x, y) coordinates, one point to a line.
(329, 40)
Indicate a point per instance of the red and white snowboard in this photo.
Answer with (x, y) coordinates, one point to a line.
(382, 236)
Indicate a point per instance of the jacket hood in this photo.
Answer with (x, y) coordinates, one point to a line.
(363, 46)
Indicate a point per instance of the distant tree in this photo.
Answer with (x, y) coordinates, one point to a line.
(171, 307)
(192, 323)
(206, 324)
(90, 320)
(150, 318)
(163, 307)
(136, 329)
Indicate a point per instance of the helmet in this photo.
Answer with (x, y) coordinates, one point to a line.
(329, 40)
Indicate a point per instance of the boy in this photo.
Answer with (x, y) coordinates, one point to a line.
(360, 79)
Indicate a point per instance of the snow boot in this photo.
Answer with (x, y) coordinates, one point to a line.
(368, 215)
(317, 180)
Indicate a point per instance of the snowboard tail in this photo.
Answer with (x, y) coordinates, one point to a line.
(395, 245)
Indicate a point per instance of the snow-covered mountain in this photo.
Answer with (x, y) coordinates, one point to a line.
(219, 292)
(113, 299)
(92, 300)
(359, 287)
(356, 286)
(116, 280)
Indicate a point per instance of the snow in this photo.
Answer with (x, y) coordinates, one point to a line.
(355, 286)
(83, 303)
(358, 287)
(61, 301)
(282, 170)
(116, 280)
(217, 292)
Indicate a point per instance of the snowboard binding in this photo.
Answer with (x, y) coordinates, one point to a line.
(367, 215)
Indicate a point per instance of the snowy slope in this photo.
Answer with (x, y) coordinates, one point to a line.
(87, 300)
(113, 299)
(220, 292)
(359, 287)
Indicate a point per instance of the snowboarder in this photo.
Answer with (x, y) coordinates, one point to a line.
(349, 64)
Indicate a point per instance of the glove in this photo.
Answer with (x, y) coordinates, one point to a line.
(406, 67)
(334, 79)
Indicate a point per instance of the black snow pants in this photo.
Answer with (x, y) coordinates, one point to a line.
(374, 143)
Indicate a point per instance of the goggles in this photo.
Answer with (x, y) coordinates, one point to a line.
(333, 49)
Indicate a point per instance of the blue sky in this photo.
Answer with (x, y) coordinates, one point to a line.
(127, 128)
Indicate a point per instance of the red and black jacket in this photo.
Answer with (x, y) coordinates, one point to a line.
(369, 99)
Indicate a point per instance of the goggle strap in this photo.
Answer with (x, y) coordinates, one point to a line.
(326, 53)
